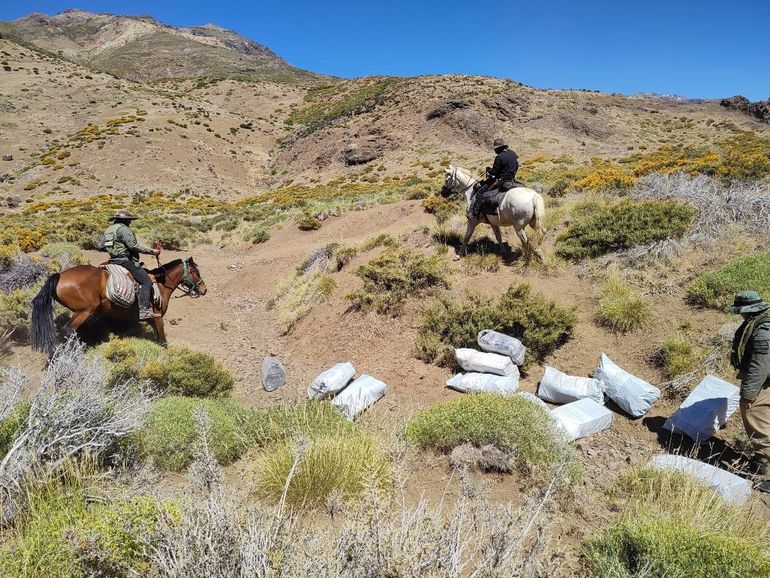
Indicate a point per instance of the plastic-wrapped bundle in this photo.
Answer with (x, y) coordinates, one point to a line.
(558, 387)
(583, 418)
(534, 399)
(495, 342)
(733, 489)
(634, 395)
(705, 410)
(273, 373)
(359, 395)
(472, 360)
(331, 381)
(472, 382)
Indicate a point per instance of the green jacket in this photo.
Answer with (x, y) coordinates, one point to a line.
(751, 355)
(120, 242)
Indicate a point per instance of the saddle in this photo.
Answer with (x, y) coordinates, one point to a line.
(121, 287)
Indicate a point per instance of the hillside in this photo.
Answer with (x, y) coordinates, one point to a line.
(311, 208)
(141, 49)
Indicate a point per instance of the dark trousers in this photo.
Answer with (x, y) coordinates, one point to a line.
(484, 198)
(141, 277)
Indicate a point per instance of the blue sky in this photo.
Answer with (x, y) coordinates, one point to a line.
(695, 48)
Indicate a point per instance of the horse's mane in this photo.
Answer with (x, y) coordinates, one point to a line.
(465, 174)
(162, 269)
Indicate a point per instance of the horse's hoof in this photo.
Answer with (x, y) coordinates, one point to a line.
(456, 257)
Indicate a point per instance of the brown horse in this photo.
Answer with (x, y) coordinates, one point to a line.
(82, 290)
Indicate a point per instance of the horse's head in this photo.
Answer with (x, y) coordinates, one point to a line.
(456, 182)
(192, 280)
(450, 182)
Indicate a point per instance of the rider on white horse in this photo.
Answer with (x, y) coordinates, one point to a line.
(502, 176)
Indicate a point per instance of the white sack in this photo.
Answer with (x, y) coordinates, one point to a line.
(733, 489)
(533, 398)
(472, 382)
(359, 395)
(583, 418)
(634, 395)
(331, 381)
(705, 410)
(558, 387)
(472, 360)
(495, 342)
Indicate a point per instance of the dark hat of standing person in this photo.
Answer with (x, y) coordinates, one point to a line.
(749, 302)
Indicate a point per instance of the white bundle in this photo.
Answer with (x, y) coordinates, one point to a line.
(634, 395)
(558, 387)
(472, 382)
(472, 360)
(331, 381)
(359, 395)
(582, 418)
(495, 342)
(733, 489)
(534, 399)
(705, 410)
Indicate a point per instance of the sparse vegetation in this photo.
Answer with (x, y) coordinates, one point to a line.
(621, 308)
(623, 225)
(716, 289)
(394, 276)
(510, 423)
(542, 325)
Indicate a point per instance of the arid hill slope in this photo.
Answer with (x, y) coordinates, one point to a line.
(76, 122)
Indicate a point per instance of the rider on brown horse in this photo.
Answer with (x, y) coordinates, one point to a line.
(120, 242)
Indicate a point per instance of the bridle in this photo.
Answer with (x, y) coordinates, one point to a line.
(454, 180)
(189, 286)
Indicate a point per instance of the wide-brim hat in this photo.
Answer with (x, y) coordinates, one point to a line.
(749, 302)
(123, 216)
(499, 143)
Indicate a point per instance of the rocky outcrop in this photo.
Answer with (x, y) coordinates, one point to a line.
(759, 110)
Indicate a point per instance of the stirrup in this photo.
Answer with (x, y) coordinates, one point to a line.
(147, 314)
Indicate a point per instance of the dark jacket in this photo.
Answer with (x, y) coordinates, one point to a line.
(751, 356)
(505, 166)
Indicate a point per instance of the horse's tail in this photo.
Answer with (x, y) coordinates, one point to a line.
(539, 216)
(43, 329)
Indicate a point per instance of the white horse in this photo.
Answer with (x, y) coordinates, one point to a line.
(520, 207)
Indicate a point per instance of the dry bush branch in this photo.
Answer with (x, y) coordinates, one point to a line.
(72, 414)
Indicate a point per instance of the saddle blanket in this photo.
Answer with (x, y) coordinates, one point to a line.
(121, 287)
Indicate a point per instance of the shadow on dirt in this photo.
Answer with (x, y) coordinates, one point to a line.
(715, 451)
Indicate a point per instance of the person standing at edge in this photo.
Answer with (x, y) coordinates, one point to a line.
(750, 355)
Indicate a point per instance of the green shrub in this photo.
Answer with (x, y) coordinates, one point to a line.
(257, 235)
(623, 225)
(308, 222)
(539, 323)
(381, 240)
(309, 419)
(65, 254)
(169, 437)
(673, 526)
(716, 289)
(678, 355)
(395, 275)
(620, 307)
(15, 312)
(343, 462)
(62, 534)
(177, 370)
(511, 423)
(12, 426)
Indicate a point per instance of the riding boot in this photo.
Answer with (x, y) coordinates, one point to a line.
(145, 306)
